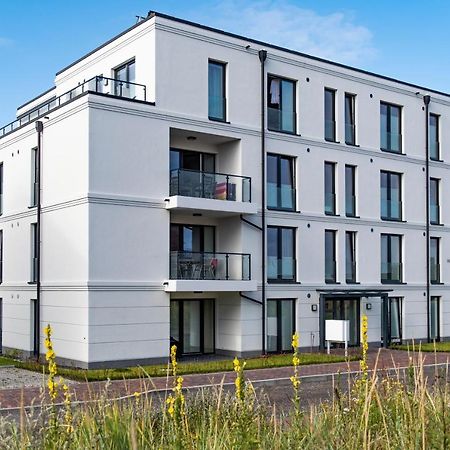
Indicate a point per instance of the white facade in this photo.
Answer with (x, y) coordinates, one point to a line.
(106, 279)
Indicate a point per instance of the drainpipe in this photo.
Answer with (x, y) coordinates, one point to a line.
(36, 350)
(426, 101)
(262, 54)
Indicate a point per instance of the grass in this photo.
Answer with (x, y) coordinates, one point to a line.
(424, 347)
(183, 367)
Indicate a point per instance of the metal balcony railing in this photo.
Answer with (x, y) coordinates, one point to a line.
(217, 186)
(98, 84)
(210, 266)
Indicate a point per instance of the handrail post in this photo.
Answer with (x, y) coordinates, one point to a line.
(228, 187)
(227, 256)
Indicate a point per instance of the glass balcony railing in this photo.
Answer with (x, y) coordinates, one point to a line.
(209, 266)
(434, 150)
(435, 273)
(281, 269)
(98, 84)
(217, 186)
(390, 209)
(350, 205)
(350, 134)
(280, 197)
(330, 271)
(330, 204)
(350, 271)
(391, 142)
(391, 272)
(281, 120)
(434, 214)
(217, 108)
(34, 270)
(330, 130)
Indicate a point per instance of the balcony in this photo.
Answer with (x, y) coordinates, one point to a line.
(216, 194)
(99, 85)
(209, 271)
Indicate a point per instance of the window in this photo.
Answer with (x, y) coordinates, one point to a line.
(330, 256)
(216, 91)
(34, 177)
(280, 324)
(391, 258)
(34, 252)
(434, 137)
(394, 320)
(350, 256)
(35, 327)
(330, 115)
(434, 201)
(1, 188)
(350, 191)
(435, 313)
(280, 182)
(281, 104)
(390, 128)
(350, 124)
(330, 188)
(435, 268)
(391, 195)
(281, 254)
(1, 256)
(125, 77)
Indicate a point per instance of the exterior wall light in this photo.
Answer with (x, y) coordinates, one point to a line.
(314, 307)
(368, 306)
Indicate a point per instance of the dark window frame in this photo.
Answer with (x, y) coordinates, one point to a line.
(436, 280)
(292, 161)
(1, 187)
(352, 98)
(34, 249)
(269, 105)
(279, 278)
(352, 169)
(202, 227)
(389, 257)
(333, 114)
(389, 175)
(279, 323)
(436, 298)
(126, 65)
(436, 117)
(389, 107)
(223, 66)
(438, 200)
(352, 279)
(334, 259)
(333, 185)
(1, 256)
(34, 176)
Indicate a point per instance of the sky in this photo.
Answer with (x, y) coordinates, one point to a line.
(404, 39)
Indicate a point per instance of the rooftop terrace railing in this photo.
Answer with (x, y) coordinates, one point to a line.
(97, 84)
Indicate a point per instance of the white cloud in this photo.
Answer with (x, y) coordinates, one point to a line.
(334, 36)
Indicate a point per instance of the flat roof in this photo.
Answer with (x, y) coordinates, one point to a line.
(152, 14)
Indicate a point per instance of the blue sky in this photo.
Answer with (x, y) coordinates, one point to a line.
(402, 39)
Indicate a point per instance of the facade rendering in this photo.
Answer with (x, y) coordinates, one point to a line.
(180, 184)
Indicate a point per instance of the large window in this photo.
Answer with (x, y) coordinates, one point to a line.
(330, 188)
(280, 324)
(350, 191)
(391, 258)
(330, 256)
(1, 256)
(434, 137)
(125, 75)
(435, 318)
(434, 201)
(435, 268)
(350, 123)
(281, 104)
(216, 91)
(330, 115)
(394, 320)
(280, 182)
(391, 195)
(390, 128)
(34, 253)
(350, 256)
(281, 254)
(1, 188)
(34, 176)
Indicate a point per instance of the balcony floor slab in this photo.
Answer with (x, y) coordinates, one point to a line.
(209, 286)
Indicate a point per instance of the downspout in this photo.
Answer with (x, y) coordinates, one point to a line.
(262, 54)
(426, 101)
(37, 337)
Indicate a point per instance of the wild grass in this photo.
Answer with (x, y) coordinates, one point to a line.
(425, 346)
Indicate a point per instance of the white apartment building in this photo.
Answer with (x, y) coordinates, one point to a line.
(181, 184)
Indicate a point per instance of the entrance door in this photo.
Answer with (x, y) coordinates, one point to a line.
(345, 309)
(192, 326)
(280, 324)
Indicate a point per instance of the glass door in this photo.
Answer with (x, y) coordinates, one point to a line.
(192, 326)
(345, 309)
(280, 324)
